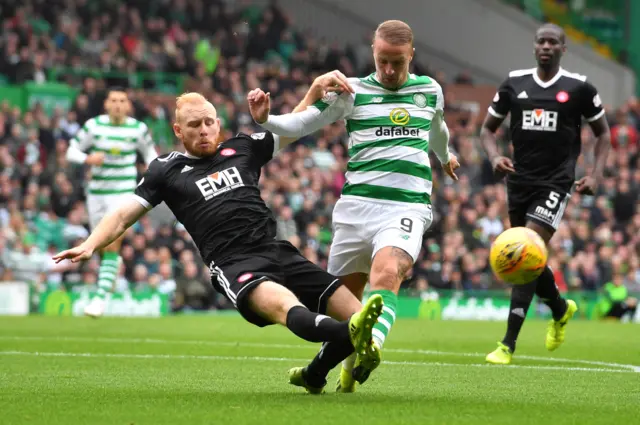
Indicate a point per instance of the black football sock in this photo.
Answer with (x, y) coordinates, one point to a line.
(548, 292)
(330, 356)
(315, 327)
(521, 297)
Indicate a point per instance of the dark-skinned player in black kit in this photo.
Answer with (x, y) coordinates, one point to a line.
(547, 105)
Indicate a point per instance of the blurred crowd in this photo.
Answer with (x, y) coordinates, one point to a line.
(224, 49)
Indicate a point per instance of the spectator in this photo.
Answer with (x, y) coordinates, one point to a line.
(192, 293)
(616, 302)
(623, 134)
(32, 151)
(286, 226)
(224, 51)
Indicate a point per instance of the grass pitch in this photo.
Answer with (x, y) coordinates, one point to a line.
(221, 370)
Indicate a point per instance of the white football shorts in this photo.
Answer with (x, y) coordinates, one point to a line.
(99, 205)
(362, 227)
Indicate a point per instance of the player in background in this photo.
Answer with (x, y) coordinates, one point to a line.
(546, 104)
(212, 189)
(109, 144)
(393, 117)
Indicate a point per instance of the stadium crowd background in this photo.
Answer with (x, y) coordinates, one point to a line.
(42, 206)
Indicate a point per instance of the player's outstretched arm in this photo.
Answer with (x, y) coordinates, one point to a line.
(334, 81)
(110, 228)
(307, 121)
(303, 105)
(295, 124)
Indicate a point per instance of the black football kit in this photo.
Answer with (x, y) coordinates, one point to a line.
(218, 201)
(546, 118)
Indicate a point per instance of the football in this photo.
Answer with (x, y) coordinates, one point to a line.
(518, 255)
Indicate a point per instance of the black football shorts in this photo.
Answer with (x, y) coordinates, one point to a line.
(543, 205)
(276, 261)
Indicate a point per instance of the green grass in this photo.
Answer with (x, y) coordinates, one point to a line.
(221, 370)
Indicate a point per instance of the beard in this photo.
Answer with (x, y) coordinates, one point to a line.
(201, 148)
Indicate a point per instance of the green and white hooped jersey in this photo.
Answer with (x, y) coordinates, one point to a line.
(388, 137)
(118, 174)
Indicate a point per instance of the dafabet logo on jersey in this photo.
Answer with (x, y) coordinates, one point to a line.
(397, 131)
(400, 117)
(220, 182)
(539, 120)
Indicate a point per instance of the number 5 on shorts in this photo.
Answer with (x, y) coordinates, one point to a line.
(554, 198)
(406, 224)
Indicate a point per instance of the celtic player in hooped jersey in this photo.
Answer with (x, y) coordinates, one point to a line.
(113, 141)
(393, 118)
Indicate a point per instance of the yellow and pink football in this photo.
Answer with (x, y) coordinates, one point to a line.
(518, 255)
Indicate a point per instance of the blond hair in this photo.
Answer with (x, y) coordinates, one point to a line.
(189, 98)
(394, 32)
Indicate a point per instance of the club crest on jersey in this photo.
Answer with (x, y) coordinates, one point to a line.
(220, 182)
(420, 100)
(227, 152)
(399, 116)
(539, 120)
(562, 96)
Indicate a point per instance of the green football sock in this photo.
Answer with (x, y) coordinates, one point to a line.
(387, 318)
(107, 273)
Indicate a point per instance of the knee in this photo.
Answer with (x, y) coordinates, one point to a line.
(390, 267)
(386, 277)
(279, 312)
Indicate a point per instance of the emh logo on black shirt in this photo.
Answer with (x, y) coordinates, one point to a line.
(219, 182)
(539, 120)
